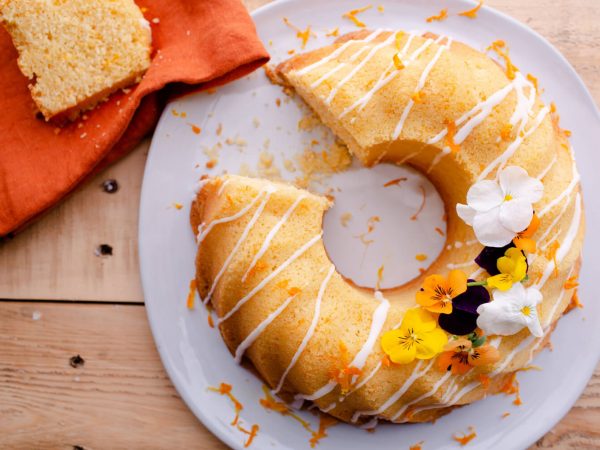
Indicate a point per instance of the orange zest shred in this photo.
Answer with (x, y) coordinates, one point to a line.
(571, 282)
(551, 254)
(225, 389)
(395, 181)
(380, 8)
(417, 97)
(195, 128)
(191, 294)
(556, 122)
(351, 15)
(379, 276)
(510, 387)
(399, 36)
(386, 361)
(324, 423)
(211, 323)
(506, 132)
(440, 231)
(269, 402)
(484, 380)
(417, 446)
(398, 64)
(370, 227)
(252, 432)
(333, 33)
(303, 35)
(415, 216)
(505, 415)
(421, 257)
(449, 138)
(341, 372)
(465, 438)
(574, 303)
(500, 48)
(177, 205)
(472, 13)
(533, 80)
(442, 15)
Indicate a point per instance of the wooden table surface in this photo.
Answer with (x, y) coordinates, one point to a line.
(59, 299)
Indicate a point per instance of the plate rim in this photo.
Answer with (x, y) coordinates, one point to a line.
(523, 441)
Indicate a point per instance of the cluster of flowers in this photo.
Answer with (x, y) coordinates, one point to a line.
(455, 313)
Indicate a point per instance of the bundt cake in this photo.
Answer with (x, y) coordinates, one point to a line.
(459, 331)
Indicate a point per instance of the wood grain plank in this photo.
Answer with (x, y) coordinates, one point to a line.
(54, 259)
(122, 398)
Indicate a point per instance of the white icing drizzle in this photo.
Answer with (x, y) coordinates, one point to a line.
(269, 277)
(311, 328)
(200, 185)
(416, 374)
(325, 76)
(339, 51)
(249, 340)
(562, 212)
(387, 76)
(420, 84)
(222, 187)
(566, 244)
(360, 359)
(460, 265)
(353, 72)
(270, 189)
(267, 242)
(329, 407)
(203, 232)
(427, 394)
(370, 424)
(547, 169)
(502, 159)
(476, 273)
(563, 194)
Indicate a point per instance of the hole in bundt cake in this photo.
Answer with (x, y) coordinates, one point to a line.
(386, 216)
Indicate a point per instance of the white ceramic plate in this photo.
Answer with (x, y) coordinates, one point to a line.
(194, 354)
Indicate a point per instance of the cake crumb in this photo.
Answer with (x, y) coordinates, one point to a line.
(315, 165)
(334, 32)
(288, 164)
(308, 122)
(505, 415)
(195, 128)
(256, 122)
(345, 218)
(417, 446)
(219, 129)
(266, 168)
(380, 8)
(177, 205)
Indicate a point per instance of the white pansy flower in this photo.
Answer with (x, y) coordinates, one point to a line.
(498, 210)
(511, 311)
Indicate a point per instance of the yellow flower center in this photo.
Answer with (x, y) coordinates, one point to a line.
(508, 198)
(526, 311)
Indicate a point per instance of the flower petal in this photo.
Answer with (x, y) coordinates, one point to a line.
(432, 344)
(466, 213)
(489, 256)
(500, 318)
(444, 361)
(485, 195)
(459, 322)
(516, 214)
(489, 230)
(534, 325)
(402, 354)
(502, 281)
(420, 320)
(515, 181)
(471, 299)
(486, 354)
(440, 307)
(457, 282)
(390, 340)
(533, 295)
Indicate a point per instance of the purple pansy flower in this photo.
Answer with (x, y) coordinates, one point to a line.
(488, 258)
(463, 318)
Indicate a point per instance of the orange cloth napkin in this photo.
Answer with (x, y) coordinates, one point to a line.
(200, 43)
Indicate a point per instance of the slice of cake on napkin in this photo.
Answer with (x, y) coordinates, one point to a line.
(77, 52)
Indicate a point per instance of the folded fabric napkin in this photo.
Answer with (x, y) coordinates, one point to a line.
(200, 43)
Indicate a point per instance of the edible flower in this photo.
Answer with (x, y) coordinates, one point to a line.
(462, 354)
(488, 258)
(499, 210)
(463, 318)
(512, 267)
(419, 336)
(523, 239)
(511, 311)
(437, 292)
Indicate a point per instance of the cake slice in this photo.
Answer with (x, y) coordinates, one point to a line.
(77, 52)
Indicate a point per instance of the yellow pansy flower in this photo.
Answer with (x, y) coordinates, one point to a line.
(419, 336)
(512, 267)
